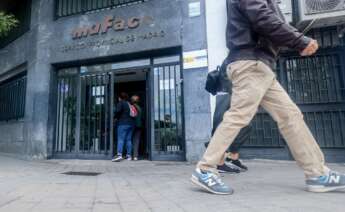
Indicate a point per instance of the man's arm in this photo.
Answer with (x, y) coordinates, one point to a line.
(266, 22)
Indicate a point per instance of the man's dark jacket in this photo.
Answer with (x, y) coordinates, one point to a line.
(256, 29)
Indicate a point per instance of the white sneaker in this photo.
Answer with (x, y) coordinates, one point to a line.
(117, 159)
(135, 158)
(129, 158)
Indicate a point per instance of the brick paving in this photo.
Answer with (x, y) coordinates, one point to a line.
(143, 186)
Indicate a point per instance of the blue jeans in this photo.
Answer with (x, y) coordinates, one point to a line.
(124, 136)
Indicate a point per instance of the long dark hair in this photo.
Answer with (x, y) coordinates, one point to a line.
(123, 96)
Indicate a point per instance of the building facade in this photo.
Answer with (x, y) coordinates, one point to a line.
(316, 84)
(61, 74)
(63, 68)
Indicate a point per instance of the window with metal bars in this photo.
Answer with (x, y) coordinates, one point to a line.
(12, 98)
(317, 85)
(73, 7)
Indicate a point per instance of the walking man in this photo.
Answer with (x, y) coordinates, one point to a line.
(255, 32)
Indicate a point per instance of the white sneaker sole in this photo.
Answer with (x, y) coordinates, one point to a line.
(323, 189)
(196, 182)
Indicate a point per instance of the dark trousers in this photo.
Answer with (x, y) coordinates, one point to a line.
(223, 102)
(136, 141)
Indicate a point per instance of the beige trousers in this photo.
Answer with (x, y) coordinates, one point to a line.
(254, 84)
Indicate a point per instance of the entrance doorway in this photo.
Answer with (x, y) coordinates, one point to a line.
(86, 99)
(134, 82)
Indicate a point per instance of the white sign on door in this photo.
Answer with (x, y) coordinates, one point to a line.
(167, 84)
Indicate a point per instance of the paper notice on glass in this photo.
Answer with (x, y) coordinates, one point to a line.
(167, 84)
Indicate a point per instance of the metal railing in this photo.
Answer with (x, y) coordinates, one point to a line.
(317, 85)
(73, 7)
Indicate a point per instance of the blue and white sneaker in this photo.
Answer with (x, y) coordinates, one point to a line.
(331, 182)
(210, 182)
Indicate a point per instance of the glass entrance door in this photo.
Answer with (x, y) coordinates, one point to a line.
(85, 108)
(168, 130)
(83, 115)
(95, 117)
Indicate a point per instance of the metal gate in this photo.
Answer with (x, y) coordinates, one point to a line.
(95, 115)
(85, 103)
(83, 120)
(65, 132)
(317, 85)
(167, 141)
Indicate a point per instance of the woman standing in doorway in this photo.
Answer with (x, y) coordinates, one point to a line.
(138, 126)
(125, 127)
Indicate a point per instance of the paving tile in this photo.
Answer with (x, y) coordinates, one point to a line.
(270, 186)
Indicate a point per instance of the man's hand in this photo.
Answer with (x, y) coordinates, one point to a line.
(312, 47)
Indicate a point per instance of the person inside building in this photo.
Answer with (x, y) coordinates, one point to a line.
(125, 127)
(138, 128)
(256, 30)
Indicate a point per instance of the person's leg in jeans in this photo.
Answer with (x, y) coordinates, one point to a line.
(136, 142)
(121, 135)
(128, 140)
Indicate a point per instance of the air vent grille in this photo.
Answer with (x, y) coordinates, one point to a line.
(322, 6)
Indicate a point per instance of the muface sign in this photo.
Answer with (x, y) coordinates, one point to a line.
(111, 23)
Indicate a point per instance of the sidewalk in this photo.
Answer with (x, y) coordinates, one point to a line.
(154, 186)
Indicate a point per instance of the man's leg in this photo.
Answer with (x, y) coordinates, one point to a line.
(250, 83)
(234, 149)
(301, 142)
(292, 126)
(223, 105)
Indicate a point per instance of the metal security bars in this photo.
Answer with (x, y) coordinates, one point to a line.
(12, 98)
(86, 99)
(265, 132)
(66, 140)
(328, 127)
(72, 7)
(168, 128)
(316, 79)
(317, 85)
(95, 114)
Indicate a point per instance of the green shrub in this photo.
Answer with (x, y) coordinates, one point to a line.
(7, 22)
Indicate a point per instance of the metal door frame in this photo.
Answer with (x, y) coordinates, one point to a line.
(153, 154)
(149, 114)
